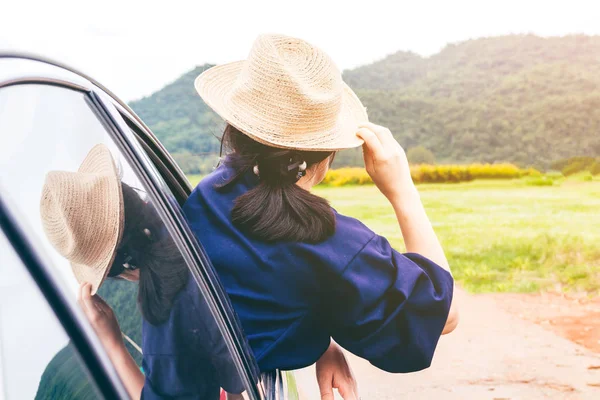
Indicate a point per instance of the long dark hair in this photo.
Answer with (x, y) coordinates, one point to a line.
(276, 209)
(145, 245)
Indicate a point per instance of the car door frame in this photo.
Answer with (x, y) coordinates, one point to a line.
(122, 123)
(105, 105)
(194, 254)
(277, 384)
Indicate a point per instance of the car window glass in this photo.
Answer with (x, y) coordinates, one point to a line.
(54, 132)
(34, 363)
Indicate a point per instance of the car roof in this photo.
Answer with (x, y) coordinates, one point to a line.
(17, 67)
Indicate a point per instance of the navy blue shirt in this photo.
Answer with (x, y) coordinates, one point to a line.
(291, 298)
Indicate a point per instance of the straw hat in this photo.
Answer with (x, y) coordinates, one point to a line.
(82, 215)
(287, 94)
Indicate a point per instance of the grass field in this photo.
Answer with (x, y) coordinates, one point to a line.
(194, 179)
(500, 236)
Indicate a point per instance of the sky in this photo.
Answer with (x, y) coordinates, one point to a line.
(136, 47)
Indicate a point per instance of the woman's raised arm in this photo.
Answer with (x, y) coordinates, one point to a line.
(387, 165)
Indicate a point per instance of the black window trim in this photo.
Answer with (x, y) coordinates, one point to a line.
(163, 162)
(194, 253)
(143, 132)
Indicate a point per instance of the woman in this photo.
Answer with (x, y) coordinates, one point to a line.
(107, 230)
(297, 272)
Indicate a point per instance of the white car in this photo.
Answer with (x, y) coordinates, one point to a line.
(50, 116)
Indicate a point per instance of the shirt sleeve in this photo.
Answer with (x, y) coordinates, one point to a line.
(391, 308)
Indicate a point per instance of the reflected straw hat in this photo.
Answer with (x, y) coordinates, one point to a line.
(82, 215)
(286, 94)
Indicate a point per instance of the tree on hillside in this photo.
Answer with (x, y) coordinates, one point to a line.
(420, 155)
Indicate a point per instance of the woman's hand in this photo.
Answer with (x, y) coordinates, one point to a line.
(101, 318)
(385, 161)
(333, 372)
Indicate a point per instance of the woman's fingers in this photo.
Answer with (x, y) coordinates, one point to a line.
(86, 297)
(325, 382)
(345, 383)
(327, 394)
(345, 387)
(99, 301)
(383, 134)
(83, 297)
(372, 142)
(92, 307)
(348, 391)
(80, 295)
(333, 372)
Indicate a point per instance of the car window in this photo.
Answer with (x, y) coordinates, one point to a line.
(53, 132)
(34, 362)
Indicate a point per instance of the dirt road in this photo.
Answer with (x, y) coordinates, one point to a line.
(493, 354)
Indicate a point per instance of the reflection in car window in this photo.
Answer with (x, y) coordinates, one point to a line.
(181, 342)
(34, 363)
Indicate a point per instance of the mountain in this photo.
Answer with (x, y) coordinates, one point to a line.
(522, 98)
(519, 98)
(183, 122)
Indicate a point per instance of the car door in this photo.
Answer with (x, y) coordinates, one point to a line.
(277, 384)
(49, 119)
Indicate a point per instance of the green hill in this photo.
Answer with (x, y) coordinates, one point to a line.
(183, 123)
(519, 98)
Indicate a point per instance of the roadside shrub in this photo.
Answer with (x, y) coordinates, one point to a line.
(495, 171)
(420, 155)
(426, 173)
(543, 180)
(347, 176)
(531, 172)
(554, 175)
(586, 177)
(595, 168)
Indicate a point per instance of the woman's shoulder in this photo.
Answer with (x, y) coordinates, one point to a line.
(352, 227)
(217, 177)
(207, 195)
(350, 238)
(217, 183)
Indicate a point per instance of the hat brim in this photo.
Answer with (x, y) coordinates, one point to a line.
(215, 87)
(99, 161)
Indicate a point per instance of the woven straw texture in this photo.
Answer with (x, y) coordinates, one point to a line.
(287, 94)
(82, 215)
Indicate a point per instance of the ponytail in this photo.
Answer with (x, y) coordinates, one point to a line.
(147, 245)
(163, 274)
(277, 209)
